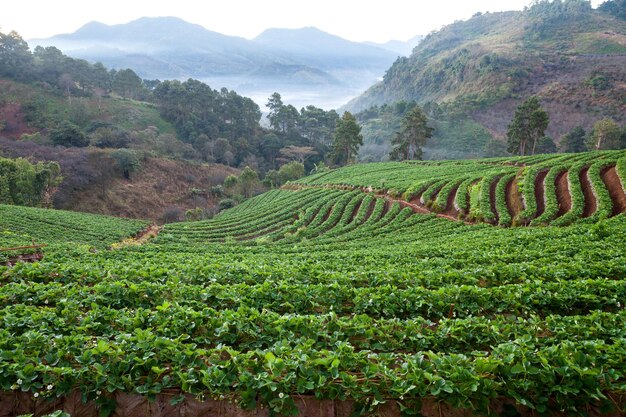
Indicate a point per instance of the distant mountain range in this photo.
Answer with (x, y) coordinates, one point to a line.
(169, 48)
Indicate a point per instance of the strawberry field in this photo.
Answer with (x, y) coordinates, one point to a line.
(393, 286)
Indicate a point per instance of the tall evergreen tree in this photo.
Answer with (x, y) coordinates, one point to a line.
(528, 126)
(413, 135)
(347, 140)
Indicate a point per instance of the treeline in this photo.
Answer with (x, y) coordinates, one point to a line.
(72, 76)
(211, 125)
(26, 184)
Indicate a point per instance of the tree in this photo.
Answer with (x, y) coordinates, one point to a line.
(606, 134)
(574, 141)
(291, 171)
(298, 153)
(127, 84)
(528, 126)
(616, 8)
(546, 145)
(15, 57)
(275, 104)
(68, 134)
(127, 160)
(346, 140)
(413, 134)
(249, 180)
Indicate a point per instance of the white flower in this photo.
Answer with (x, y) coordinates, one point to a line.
(49, 387)
(36, 395)
(19, 382)
(281, 395)
(98, 392)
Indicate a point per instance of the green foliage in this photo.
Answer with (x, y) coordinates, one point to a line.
(347, 140)
(66, 227)
(328, 293)
(527, 127)
(68, 134)
(615, 8)
(574, 141)
(26, 184)
(413, 135)
(248, 180)
(15, 57)
(291, 171)
(606, 134)
(226, 204)
(128, 161)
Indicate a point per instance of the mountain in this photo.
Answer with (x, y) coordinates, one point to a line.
(330, 68)
(571, 56)
(404, 48)
(320, 49)
(188, 48)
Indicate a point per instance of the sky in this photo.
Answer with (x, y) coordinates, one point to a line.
(356, 20)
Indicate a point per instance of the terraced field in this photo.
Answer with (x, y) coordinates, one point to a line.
(381, 288)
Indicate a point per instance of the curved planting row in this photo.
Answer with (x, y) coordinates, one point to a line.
(343, 297)
(558, 190)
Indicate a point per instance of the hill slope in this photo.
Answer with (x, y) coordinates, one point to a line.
(357, 300)
(572, 58)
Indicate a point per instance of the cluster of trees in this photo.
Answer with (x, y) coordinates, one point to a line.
(605, 134)
(526, 133)
(74, 77)
(26, 184)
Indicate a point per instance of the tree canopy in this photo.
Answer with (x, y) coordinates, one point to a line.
(414, 132)
(347, 140)
(529, 124)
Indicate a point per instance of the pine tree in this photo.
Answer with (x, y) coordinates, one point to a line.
(347, 140)
(528, 126)
(413, 135)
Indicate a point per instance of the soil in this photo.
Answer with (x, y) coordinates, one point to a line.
(513, 198)
(15, 126)
(590, 199)
(563, 196)
(540, 192)
(370, 210)
(355, 211)
(327, 214)
(616, 189)
(133, 405)
(451, 209)
(30, 257)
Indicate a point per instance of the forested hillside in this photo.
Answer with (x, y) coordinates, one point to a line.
(475, 72)
(116, 136)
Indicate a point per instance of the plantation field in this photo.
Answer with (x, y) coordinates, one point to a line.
(362, 286)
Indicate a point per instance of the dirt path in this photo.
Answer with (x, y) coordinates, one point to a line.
(616, 189)
(563, 195)
(540, 192)
(590, 199)
(513, 198)
(140, 238)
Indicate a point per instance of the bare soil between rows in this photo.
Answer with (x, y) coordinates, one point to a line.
(616, 189)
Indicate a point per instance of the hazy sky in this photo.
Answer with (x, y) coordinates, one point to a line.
(357, 20)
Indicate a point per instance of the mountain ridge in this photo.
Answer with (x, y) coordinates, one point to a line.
(481, 68)
(169, 47)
